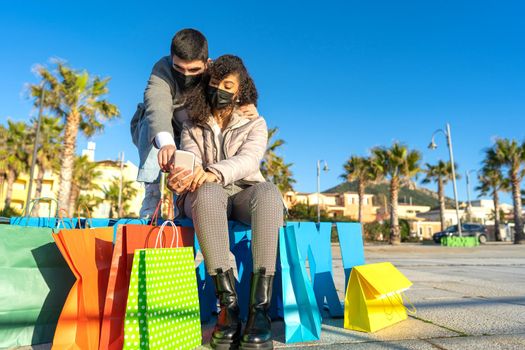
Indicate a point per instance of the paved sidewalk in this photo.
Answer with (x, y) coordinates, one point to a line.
(467, 298)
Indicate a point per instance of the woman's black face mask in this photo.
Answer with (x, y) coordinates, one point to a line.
(218, 98)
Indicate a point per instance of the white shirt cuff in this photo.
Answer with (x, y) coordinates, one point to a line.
(164, 138)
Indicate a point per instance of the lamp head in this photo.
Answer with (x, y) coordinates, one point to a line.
(432, 146)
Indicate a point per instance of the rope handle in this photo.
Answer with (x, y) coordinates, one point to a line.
(403, 297)
(60, 219)
(175, 230)
(158, 213)
(400, 297)
(31, 205)
(88, 216)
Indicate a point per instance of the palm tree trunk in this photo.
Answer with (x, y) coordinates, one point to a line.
(495, 198)
(516, 197)
(38, 189)
(68, 158)
(3, 176)
(441, 195)
(75, 192)
(11, 177)
(361, 195)
(395, 236)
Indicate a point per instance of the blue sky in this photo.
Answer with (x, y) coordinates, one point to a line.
(337, 78)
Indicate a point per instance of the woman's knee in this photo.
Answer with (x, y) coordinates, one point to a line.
(210, 194)
(266, 193)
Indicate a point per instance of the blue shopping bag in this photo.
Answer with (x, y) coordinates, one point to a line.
(301, 314)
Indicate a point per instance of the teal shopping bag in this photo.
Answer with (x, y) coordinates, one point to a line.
(162, 311)
(34, 283)
(302, 319)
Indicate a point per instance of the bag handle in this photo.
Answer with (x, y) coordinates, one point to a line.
(402, 297)
(158, 212)
(31, 205)
(88, 216)
(175, 229)
(60, 219)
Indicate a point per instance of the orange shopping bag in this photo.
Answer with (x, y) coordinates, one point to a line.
(129, 238)
(88, 253)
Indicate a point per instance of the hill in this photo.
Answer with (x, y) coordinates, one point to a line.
(419, 196)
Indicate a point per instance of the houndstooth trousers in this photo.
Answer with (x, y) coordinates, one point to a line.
(259, 205)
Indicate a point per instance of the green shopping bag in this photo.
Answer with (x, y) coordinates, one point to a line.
(162, 311)
(34, 283)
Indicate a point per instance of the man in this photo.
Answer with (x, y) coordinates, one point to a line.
(157, 124)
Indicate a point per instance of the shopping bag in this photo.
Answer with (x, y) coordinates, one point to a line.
(163, 303)
(302, 319)
(88, 253)
(34, 283)
(128, 239)
(374, 297)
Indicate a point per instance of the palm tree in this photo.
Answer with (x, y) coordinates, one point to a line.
(398, 164)
(441, 173)
(359, 169)
(111, 194)
(84, 173)
(87, 201)
(79, 100)
(48, 152)
(511, 155)
(273, 167)
(16, 156)
(491, 181)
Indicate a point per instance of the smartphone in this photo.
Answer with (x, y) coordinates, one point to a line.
(185, 160)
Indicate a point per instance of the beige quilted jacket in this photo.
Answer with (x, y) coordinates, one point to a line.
(234, 154)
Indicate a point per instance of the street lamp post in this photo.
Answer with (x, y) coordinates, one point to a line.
(325, 168)
(433, 146)
(469, 207)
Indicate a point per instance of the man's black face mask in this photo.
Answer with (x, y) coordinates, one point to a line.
(186, 81)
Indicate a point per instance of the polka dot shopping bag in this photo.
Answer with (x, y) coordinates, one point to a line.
(162, 311)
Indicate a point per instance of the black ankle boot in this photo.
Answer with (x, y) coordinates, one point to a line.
(227, 332)
(258, 331)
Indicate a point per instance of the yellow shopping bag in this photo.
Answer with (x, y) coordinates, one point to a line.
(374, 297)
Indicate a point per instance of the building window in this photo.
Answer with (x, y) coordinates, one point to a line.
(19, 186)
(429, 230)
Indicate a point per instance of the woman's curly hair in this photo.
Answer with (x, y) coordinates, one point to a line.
(197, 105)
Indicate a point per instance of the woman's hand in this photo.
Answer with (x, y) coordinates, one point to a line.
(200, 176)
(179, 180)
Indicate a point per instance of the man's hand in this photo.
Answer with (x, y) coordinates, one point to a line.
(249, 111)
(200, 176)
(179, 180)
(165, 157)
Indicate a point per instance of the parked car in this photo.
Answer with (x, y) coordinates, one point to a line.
(468, 230)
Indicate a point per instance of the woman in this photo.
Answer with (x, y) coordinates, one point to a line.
(227, 184)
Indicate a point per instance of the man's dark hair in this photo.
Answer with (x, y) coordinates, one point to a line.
(190, 45)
